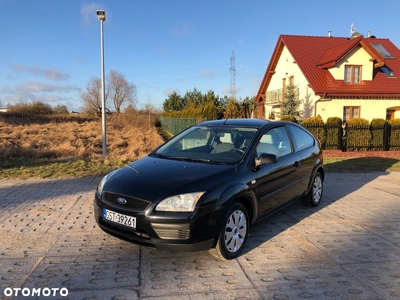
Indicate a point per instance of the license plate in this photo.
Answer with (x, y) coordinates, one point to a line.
(119, 218)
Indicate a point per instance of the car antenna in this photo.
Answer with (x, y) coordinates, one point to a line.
(225, 121)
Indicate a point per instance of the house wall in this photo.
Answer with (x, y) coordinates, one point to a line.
(359, 57)
(285, 68)
(369, 108)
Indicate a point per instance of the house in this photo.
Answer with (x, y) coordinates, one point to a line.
(356, 77)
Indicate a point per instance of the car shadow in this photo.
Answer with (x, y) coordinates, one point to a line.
(340, 181)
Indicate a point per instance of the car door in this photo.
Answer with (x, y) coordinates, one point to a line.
(279, 182)
(306, 147)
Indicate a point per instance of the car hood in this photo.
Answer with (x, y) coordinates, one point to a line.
(154, 179)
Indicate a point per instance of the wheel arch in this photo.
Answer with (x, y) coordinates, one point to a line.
(318, 169)
(248, 201)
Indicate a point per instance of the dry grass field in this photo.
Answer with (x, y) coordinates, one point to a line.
(129, 137)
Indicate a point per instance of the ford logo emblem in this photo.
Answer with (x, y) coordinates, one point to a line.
(121, 200)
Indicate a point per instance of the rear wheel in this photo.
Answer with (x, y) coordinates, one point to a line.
(313, 198)
(232, 233)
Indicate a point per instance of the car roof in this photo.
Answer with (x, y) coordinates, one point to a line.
(256, 123)
(235, 122)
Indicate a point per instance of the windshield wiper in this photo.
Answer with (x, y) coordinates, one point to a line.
(184, 158)
(192, 159)
(160, 155)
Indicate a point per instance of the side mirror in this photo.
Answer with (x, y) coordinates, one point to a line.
(266, 158)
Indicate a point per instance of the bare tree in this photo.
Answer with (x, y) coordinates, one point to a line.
(120, 91)
(92, 97)
(117, 89)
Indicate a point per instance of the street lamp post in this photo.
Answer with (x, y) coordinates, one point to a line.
(101, 15)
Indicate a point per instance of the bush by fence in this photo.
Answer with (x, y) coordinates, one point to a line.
(357, 134)
(394, 134)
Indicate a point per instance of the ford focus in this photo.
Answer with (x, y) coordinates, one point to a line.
(205, 187)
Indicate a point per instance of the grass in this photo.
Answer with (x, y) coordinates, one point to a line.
(362, 164)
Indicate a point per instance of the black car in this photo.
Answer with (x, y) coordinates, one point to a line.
(207, 185)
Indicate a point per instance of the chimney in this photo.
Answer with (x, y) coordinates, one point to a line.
(329, 33)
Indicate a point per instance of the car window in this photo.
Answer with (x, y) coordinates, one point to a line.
(301, 138)
(195, 139)
(274, 141)
(216, 144)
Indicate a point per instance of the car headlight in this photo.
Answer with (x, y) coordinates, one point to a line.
(180, 203)
(104, 180)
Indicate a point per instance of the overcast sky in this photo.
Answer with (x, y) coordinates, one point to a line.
(50, 49)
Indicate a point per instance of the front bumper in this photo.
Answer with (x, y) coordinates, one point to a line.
(168, 231)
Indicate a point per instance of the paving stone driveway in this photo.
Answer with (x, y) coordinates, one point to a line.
(348, 248)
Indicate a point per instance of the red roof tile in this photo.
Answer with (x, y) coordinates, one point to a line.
(314, 53)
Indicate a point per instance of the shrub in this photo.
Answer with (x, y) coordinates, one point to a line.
(333, 133)
(316, 126)
(394, 134)
(358, 135)
(377, 133)
(289, 118)
(34, 108)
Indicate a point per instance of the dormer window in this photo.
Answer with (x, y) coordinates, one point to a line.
(352, 74)
(382, 50)
(387, 71)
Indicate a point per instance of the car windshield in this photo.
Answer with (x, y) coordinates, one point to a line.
(216, 144)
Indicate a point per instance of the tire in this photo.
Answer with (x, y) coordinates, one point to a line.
(313, 198)
(232, 234)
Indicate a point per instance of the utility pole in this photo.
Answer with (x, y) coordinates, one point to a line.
(232, 71)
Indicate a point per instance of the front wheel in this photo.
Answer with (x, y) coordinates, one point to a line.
(232, 233)
(313, 198)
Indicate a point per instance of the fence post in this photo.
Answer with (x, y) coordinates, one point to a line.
(340, 135)
(386, 134)
(343, 135)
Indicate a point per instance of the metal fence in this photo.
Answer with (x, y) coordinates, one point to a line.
(383, 137)
(176, 125)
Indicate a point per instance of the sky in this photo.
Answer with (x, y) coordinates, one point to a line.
(50, 49)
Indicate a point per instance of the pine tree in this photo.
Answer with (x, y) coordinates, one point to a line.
(307, 105)
(291, 105)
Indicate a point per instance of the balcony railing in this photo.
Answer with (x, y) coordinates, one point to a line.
(276, 96)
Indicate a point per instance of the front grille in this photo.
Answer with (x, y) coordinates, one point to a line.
(172, 231)
(132, 203)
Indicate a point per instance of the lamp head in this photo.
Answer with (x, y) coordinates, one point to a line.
(101, 15)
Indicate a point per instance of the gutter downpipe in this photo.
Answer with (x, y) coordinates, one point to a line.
(322, 99)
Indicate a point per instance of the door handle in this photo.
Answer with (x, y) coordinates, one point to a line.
(296, 164)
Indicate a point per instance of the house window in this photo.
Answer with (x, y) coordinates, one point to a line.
(351, 112)
(352, 74)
